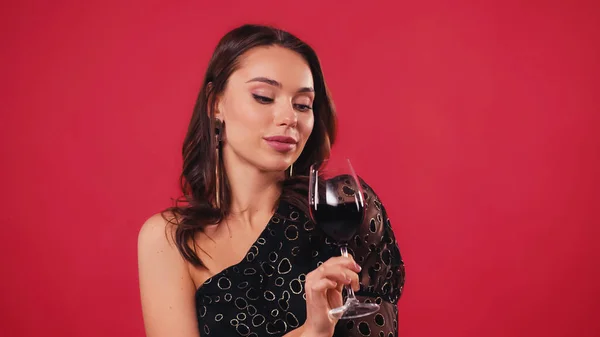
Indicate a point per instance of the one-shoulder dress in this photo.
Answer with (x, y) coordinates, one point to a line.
(263, 295)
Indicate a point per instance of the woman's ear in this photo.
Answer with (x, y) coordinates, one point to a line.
(214, 102)
(219, 111)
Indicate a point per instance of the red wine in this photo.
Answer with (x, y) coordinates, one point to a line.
(340, 222)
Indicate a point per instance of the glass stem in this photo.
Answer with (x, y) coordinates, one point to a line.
(349, 291)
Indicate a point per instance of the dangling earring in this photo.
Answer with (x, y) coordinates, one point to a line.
(218, 139)
(292, 169)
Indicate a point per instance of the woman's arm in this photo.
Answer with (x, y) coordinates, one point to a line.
(383, 266)
(382, 277)
(166, 287)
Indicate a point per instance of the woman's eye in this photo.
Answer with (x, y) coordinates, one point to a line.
(303, 107)
(262, 99)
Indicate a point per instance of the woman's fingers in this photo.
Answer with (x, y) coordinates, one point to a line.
(324, 292)
(323, 285)
(354, 284)
(348, 262)
(338, 273)
(340, 270)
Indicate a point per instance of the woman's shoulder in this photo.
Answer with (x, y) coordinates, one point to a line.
(376, 247)
(157, 232)
(371, 198)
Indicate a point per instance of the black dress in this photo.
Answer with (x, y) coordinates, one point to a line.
(264, 294)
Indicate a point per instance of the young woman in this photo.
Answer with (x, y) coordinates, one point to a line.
(239, 255)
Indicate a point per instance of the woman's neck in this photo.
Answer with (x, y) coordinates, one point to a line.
(253, 192)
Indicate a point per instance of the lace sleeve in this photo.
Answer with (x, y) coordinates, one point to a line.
(382, 277)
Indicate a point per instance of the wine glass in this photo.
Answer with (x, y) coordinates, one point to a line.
(337, 206)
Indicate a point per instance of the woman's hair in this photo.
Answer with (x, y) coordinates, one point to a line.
(196, 207)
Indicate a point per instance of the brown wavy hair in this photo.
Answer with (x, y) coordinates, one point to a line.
(195, 208)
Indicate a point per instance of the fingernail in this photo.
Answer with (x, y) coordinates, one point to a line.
(357, 266)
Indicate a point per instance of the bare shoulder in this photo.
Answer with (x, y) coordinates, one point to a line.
(166, 288)
(156, 238)
(157, 230)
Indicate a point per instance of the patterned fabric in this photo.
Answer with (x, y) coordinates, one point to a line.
(264, 294)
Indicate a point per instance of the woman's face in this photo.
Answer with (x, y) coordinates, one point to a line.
(267, 108)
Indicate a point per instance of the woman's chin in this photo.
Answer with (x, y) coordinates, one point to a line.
(276, 164)
(275, 167)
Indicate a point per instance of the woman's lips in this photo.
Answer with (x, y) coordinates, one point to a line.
(281, 143)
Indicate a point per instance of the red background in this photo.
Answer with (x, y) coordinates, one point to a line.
(476, 122)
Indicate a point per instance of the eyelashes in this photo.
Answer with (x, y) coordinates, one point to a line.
(262, 99)
(267, 100)
(303, 107)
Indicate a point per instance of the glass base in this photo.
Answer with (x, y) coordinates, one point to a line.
(354, 309)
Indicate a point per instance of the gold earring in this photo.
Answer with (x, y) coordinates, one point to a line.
(218, 140)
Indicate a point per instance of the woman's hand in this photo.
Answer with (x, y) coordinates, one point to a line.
(323, 289)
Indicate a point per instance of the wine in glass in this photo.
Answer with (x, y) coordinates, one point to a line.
(337, 206)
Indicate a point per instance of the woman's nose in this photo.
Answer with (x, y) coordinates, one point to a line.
(286, 115)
